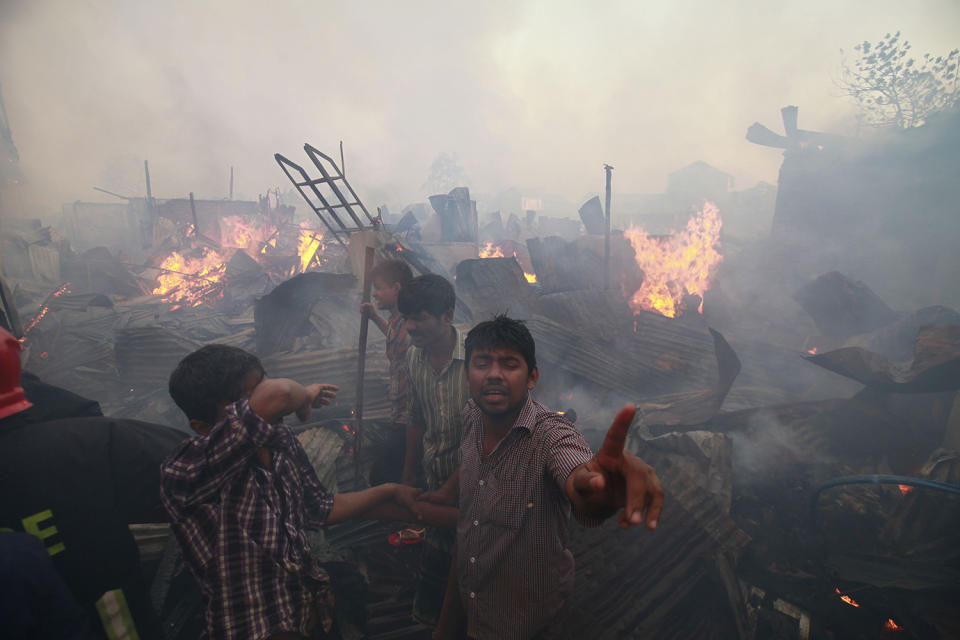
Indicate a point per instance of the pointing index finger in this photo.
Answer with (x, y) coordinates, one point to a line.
(616, 437)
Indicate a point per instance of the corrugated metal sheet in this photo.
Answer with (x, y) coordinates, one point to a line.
(661, 584)
(147, 355)
(339, 366)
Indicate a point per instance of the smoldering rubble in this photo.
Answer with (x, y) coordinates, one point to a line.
(798, 387)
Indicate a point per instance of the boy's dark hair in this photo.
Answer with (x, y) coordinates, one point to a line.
(392, 272)
(210, 377)
(502, 333)
(430, 293)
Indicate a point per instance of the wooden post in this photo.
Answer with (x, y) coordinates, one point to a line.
(146, 170)
(196, 223)
(606, 239)
(148, 242)
(362, 359)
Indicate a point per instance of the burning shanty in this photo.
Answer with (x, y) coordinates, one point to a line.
(791, 352)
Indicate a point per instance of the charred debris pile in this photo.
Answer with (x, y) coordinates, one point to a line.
(806, 429)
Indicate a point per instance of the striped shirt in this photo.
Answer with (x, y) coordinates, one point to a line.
(241, 525)
(397, 343)
(514, 570)
(436, 402)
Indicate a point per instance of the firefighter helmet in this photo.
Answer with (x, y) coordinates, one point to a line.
(12, 399)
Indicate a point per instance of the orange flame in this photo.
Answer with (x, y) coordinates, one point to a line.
(309, 243)
(813, 351)
(905, 488)
(491, 251)
(189, 281)
(682, 263)
(238, 233)
(496, 251)
(850, 601)
(890, 625)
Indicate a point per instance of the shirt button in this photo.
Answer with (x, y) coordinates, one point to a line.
(482, 483)
(473, 560)
(473, 595)
(476, 523)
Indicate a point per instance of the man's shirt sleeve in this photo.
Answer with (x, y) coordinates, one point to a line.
(569, 450)
(198, 470)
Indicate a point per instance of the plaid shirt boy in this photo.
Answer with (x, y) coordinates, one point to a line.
(241, 526)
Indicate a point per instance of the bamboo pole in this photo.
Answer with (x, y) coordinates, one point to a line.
(362, 358)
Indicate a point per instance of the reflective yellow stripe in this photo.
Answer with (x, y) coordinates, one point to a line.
(31, 524)
(115, 616)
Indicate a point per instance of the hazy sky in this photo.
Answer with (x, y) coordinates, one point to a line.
(531, 94)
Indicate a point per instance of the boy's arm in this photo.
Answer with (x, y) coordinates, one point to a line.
(276, 397)
(357, 503)
(447, 495)
(204, 464)
(423, 513)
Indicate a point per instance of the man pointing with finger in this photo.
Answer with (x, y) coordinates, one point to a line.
(524, 469)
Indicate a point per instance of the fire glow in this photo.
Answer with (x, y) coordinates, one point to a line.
(64, 288)
(677, 265)
(850, 601)
(308, 245)
(495, 251)
(193, 277)
(189, 282)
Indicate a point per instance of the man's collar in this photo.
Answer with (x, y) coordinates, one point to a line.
(527, 418)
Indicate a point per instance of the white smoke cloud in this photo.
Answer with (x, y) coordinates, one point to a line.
(535, 94)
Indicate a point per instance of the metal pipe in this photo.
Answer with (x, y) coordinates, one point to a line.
(879, 479)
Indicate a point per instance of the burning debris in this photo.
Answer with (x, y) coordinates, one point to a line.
(752, 400)
(679, 267)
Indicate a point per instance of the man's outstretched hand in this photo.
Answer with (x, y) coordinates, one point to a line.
(318, 395)
(614, 478)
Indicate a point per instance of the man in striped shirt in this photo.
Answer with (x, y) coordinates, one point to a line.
(523, 471)
(437, 383)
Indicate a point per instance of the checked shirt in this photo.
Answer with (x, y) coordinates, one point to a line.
(241, 526)
(514, 570)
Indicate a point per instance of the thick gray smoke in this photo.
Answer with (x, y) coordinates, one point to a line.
(535, 94)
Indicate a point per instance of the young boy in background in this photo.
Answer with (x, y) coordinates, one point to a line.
(388, 277)
(242, 492)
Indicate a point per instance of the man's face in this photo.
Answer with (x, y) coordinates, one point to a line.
(426, 329)
(385, 295)
(499, 380)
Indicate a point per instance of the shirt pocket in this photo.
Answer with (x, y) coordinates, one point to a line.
(508, 501)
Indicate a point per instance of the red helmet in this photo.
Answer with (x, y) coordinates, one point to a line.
(12, 399)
